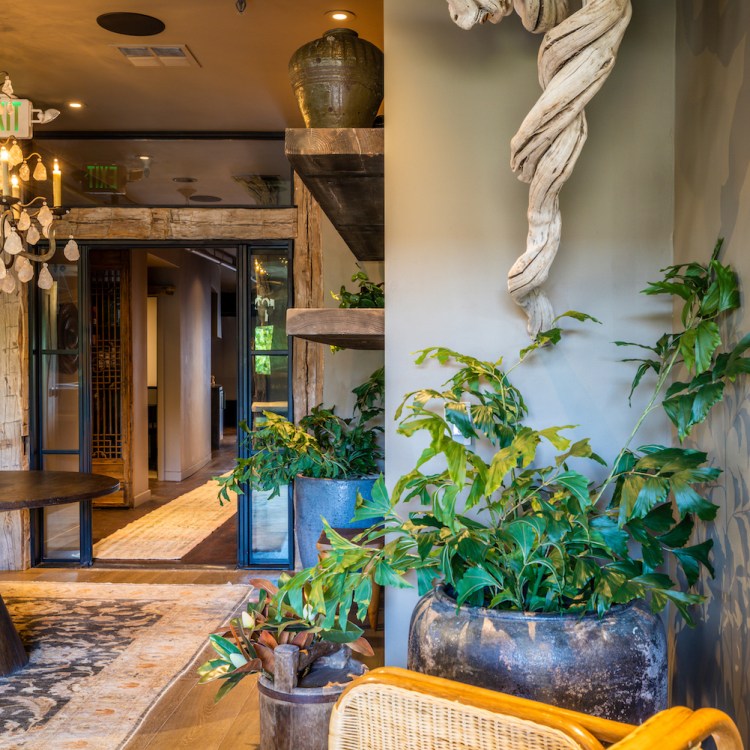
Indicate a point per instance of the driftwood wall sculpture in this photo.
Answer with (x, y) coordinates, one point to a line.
(575, 59)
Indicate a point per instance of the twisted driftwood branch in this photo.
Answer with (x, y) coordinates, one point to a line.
(575, 59)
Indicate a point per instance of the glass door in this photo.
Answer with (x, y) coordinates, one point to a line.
(58, 402)
(266, 536)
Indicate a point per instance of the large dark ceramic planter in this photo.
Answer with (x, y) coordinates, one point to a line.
(332, 499)
(614, 666)
(338, 80)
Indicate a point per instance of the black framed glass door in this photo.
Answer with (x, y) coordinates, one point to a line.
(61, 413)
(59, 406)
(265, 291)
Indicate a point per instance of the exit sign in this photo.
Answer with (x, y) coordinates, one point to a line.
(105, 178)
(15, 118)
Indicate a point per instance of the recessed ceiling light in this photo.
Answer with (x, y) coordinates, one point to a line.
(131, 24)
(75, 105)
(144, 158)
(340, 15)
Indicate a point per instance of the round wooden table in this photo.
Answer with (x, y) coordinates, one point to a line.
(39, 489)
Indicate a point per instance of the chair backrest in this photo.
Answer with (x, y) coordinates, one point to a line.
(392, 709)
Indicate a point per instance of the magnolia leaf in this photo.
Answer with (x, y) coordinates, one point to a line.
(229, 684)
(348, 636)
(361, 646)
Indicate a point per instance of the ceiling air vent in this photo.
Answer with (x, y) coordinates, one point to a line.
(158, 55)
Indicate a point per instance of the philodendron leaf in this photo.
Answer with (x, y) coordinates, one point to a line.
(577, 484)
(552, 434)
(472, 581)
(689, 501)
(691, 558)
(377, 506)
(611, 534)
(697, 345)
(525, 531)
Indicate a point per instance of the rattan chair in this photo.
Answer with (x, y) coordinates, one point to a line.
(395, 709)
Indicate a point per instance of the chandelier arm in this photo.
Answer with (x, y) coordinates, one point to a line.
(50, 251)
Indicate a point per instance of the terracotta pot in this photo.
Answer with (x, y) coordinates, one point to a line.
(338, 80)
(614, 666)
(332, 499)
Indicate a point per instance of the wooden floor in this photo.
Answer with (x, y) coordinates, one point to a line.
(186, 716)
(220, 548)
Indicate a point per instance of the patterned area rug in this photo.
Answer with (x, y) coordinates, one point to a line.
(169, 532)
(100, 657)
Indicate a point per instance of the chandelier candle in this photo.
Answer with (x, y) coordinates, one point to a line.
(56, 186)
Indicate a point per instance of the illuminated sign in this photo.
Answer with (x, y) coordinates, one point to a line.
(105, 178)
(15, 118)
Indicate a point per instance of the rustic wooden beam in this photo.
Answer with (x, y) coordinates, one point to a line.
(190, 224)
(307, 379)
(350, 329)
(344, 170)
(14, 525)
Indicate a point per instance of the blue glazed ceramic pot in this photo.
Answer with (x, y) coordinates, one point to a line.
(332, 499)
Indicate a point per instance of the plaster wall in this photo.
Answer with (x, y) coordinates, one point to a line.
(184, 364)
(139, 295)
(347, 368)
(456, 221)
(712, 193)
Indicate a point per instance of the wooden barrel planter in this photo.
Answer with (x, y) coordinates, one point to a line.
(295, 715)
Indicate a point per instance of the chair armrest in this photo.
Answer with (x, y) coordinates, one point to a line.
(682, 729)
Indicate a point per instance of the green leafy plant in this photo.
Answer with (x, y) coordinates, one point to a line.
(248, 646)
(322, 445)
(527, 529)
(368, 294)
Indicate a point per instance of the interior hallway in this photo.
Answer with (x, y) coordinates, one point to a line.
(219, 548)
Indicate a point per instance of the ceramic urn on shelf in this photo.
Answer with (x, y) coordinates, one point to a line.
(338, 80)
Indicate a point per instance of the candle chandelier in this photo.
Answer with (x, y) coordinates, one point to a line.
(26, 220)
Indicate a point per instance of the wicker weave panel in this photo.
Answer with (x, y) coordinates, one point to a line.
(383, 717)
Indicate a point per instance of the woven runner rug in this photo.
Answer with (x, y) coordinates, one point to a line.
(169, 532)
(100, 657)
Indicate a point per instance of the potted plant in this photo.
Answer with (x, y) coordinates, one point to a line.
(367, 295)
(329, 458)
(544, 567)
(303, 657)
